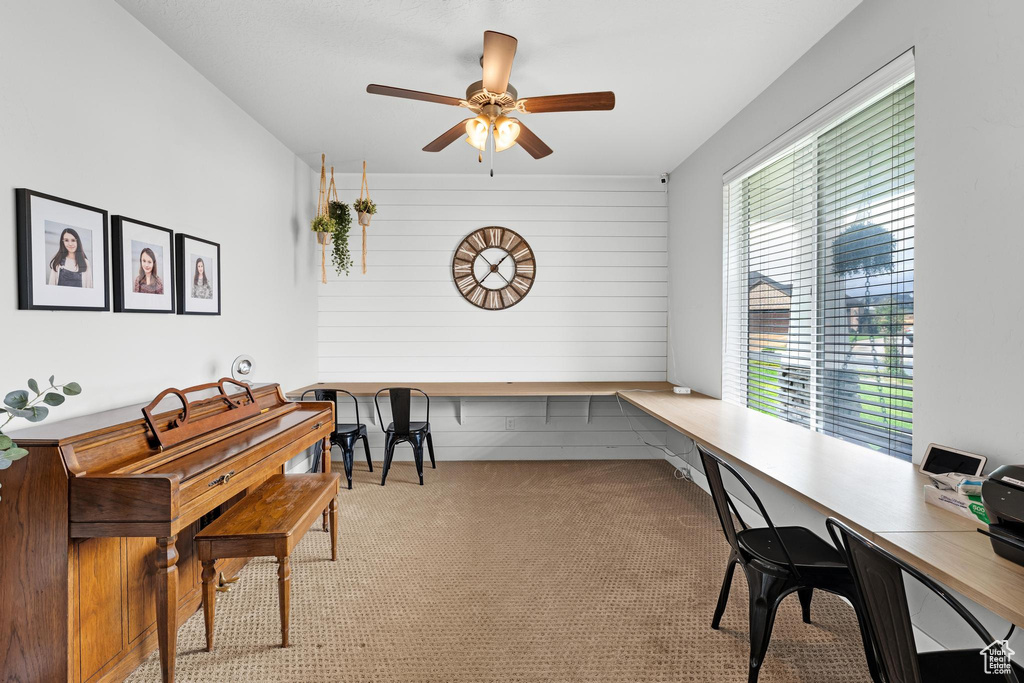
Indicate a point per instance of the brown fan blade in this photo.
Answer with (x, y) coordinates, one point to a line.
(531, 143)
(448, 137)
(375, 89)
(499, 51)
(581, 101)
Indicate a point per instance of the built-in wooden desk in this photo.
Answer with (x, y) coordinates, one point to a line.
(468, 389)
(462, 390)
(879, 495)
(964, 561)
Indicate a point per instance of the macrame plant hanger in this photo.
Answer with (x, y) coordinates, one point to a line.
(364, 220)
(322, 210)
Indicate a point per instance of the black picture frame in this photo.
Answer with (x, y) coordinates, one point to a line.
(32, 274)
(187, 304)
(117, 258)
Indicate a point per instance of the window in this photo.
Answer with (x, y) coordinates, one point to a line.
(819, 270)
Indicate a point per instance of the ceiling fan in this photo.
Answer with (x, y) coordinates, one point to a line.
(493, 98)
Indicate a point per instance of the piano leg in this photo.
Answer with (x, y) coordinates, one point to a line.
(326, 466)
(167, 604)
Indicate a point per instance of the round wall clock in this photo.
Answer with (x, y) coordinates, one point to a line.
(494, 268)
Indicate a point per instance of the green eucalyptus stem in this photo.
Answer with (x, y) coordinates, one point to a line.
(37, 399)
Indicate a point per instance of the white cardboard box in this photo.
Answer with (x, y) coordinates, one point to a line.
(965, 506)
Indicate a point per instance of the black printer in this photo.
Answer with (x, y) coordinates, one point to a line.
(1003, 496)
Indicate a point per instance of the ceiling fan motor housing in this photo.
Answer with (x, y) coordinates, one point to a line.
(477, 96)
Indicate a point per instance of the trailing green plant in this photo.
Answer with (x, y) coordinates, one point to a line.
(342, 218)
(323, 223)
(18, 404)
(365, 205)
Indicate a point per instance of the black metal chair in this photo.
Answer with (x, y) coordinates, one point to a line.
(878, 576)
(777, 561)
(401, 429)
(345, 435)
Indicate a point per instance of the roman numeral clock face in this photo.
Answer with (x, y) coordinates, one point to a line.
(494, 268)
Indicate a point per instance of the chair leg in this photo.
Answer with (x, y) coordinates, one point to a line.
(723, 597)
(865, 637)
(209, 599)
(347, 457)
(417, 453)
(430, 449)
(333, 515)
(366, 446)
(284, 575)
(765, 593)
(805, 595)
(389, 451)
(318, 453)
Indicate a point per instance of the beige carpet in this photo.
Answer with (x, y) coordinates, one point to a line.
(513, 571)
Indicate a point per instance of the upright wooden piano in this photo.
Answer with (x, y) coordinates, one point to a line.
(96, 525)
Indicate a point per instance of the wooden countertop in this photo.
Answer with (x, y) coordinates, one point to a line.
(877, 494)
(965, 561)
(873, 492)
(495, 388)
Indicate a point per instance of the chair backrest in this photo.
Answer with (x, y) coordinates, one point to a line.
(332, 396)
(401, 403)
(713, 466)
(720, 496)
(878, 576)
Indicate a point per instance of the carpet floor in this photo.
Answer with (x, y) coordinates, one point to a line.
(513, 571)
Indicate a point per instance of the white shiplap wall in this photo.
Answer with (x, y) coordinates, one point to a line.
(596, 312)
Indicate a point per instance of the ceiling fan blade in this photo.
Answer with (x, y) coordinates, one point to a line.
(531, 143)
(448, 137)
(581, 101)
(499, 51)
(375, 89)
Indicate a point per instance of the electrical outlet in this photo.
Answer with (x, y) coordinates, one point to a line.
(510, 424)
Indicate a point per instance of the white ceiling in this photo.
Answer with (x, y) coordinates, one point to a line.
(679, 68)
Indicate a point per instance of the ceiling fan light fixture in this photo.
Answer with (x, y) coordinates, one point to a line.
(477, 130)
(506, 132)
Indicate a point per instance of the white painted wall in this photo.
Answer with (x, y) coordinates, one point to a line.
(96, 109)
(970, 133)
(596, 312)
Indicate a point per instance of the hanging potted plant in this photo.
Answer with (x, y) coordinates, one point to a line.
(342, 218)
(365, 208)
(322, 224)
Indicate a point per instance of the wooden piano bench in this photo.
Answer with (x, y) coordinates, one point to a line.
(269, 521)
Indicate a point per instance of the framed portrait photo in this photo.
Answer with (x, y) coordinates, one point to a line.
(143, 258)
(198, 276)
(62, 254)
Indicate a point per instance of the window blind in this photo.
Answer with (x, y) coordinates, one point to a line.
(819, 274)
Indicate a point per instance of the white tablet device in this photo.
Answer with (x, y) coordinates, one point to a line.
(945, 460)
